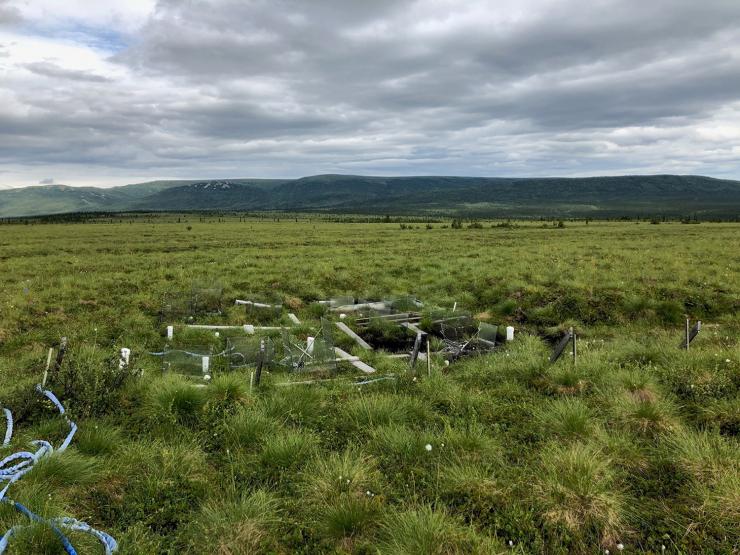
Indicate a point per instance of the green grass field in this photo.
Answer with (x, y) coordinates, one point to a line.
(635, 446)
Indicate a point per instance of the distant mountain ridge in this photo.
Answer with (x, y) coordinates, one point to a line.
(630, 195)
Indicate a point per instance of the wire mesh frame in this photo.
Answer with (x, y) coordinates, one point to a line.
(184, 306)
(316, 355)
(460, 342)
(458, 329)
(195, 362)
(175, 307)
(263, 312)
(206, 299)
(404, 303)
(246, 352)
(336, 302)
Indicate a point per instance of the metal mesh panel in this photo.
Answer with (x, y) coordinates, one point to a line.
(335, 302)
(323, 354)
(206, 299)
(487, 333)
(244, 352)
(263, 311)
(404, 303)
(457, 328)
(316, 355)
(194, 362)
(175, 307)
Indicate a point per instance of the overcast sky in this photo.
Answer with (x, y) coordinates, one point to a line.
(113, 92)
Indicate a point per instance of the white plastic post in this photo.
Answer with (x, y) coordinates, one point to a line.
(125, 357)
(509, 333)
(309, 345)
(170, 332)
(205, 364)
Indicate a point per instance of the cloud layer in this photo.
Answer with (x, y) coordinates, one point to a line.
(287, 88)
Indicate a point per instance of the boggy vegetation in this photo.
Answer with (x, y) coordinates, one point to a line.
(634, 447)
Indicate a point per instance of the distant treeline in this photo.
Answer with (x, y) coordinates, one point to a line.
(212, 216)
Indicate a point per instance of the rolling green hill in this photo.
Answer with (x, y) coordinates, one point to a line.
(651, 195)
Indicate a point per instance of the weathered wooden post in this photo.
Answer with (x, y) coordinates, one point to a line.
(48, 365)
(260, 363)
(688, 323)
(560, 347)
(415, 352)
(575, 352)
(429, 358)
(691, 333)
(60, 357)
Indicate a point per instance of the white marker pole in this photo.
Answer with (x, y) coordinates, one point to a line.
(170, 332)
(509, 333)
(125, 357)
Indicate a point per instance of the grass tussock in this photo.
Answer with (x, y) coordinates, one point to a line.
(580, 496)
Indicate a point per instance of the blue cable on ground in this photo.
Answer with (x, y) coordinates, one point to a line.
(36, 518)
(109, 543)
(22, 463)
(72, 426)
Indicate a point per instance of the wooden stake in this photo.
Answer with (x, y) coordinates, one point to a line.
(48, 365)
(688, 332)
(260, 362)
(60, 356)
(415, 352)
(429, 359)
(359, 340)
(575, 352)
(354, 361)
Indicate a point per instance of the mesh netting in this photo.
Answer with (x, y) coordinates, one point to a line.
(185, 306)
(336, 302)
(457, 328)
(194, 362)
(263, 310)
(206, 299)
(245, 352)
(316, 354)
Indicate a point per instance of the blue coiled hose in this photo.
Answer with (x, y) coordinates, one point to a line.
(22, 463)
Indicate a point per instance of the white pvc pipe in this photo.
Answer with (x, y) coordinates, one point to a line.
(125, 357)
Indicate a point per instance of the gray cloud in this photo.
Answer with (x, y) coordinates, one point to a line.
(49, 69)
(8, 14)
(287, 87)
(47, 181)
